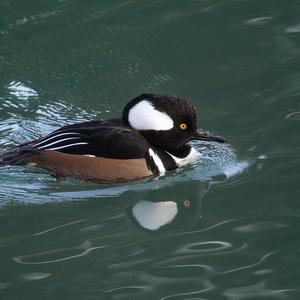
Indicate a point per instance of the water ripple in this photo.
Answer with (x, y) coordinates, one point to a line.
(207, 286)
(35, 276)
(204, 247)
(21, 91)
(295, 116)
(33, 259)
(57, 227)
(260, 226)
(255, 290)
(260, 261)
(4, 285)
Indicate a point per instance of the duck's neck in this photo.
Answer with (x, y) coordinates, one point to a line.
(181, 152)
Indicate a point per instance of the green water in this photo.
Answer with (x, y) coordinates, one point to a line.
(227, 227)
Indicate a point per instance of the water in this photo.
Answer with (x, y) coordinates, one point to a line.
(226, 227)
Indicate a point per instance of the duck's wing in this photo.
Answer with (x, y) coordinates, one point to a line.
(68, 131)
(108, 139)
(102, 151)
(97, 150)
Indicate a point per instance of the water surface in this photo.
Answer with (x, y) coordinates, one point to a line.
(226, 227)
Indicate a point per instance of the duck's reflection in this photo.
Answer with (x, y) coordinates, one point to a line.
(168, 203)
(163, 208)
(169, 208)
(153, 215)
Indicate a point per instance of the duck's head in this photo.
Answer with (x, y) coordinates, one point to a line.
(167, 122)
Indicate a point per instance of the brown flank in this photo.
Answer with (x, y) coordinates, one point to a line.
(98, 169)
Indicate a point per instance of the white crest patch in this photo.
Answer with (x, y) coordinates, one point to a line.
(143, 116)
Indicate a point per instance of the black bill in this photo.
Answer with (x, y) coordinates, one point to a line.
(204, 136)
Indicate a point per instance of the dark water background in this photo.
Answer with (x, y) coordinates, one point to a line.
(227, 227)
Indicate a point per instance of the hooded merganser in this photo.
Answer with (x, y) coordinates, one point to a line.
(151, 137)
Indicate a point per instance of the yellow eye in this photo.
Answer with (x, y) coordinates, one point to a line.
(186, 203)
(183, 126)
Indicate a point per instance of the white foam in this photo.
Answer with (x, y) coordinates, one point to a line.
(216, 159)
(235, 168)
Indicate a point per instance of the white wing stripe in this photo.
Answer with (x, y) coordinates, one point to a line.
(55, 136)
(56, 142)
(66, 146)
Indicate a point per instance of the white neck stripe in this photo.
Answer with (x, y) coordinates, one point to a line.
(158, 162)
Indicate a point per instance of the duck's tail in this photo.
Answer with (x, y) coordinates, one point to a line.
(14, 157)
(2, 156)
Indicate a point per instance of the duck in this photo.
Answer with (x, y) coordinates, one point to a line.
(151, 137)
